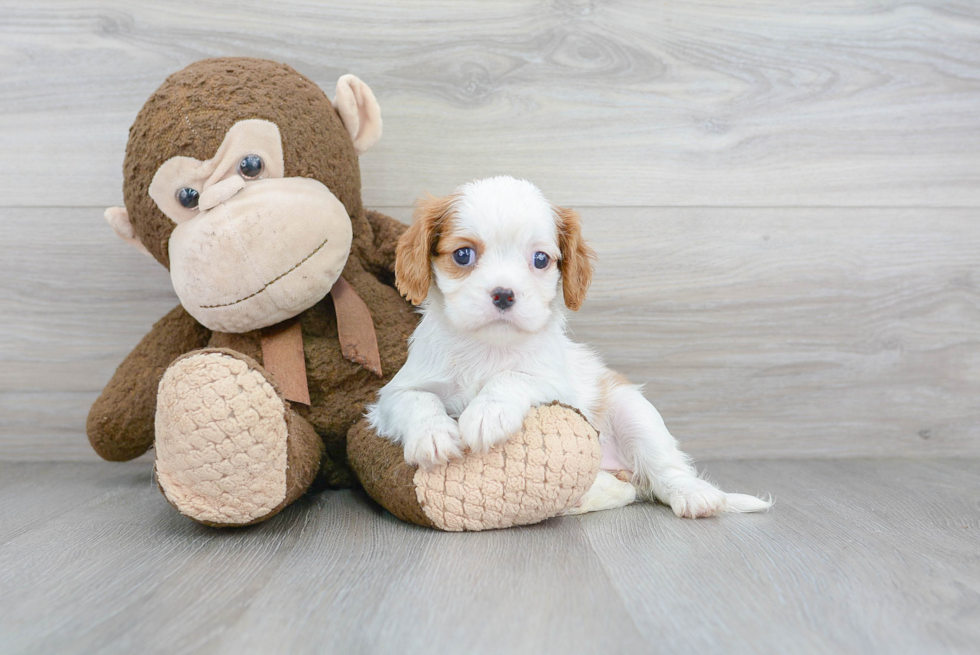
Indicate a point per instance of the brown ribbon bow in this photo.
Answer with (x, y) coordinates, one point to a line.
(282, 343)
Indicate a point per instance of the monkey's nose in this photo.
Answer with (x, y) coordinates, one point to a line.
(220, 192)
(502, 298)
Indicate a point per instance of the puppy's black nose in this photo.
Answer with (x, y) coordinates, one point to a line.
(502, 298)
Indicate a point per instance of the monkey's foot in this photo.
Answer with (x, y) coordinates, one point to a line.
(230, 451)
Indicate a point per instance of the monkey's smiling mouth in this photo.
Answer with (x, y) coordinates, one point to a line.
(271, 282)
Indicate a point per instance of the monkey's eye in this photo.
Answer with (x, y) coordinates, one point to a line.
(251, 167)
(465, 256)
(541, 260)
(188, 197)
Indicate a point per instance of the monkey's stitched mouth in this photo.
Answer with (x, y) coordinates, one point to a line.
(271, 282)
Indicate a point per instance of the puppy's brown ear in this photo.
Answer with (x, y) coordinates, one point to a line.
(576, 258)
(413, 267)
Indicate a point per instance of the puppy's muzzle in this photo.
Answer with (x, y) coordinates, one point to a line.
(502, 298)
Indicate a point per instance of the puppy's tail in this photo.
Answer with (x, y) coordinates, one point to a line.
(744, 503)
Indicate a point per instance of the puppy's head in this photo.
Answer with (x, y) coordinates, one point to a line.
(497, 250)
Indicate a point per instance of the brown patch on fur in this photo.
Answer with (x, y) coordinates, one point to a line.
(416, 247)
(449, 244)
(623, 475)
(609, 381)
(576, 258)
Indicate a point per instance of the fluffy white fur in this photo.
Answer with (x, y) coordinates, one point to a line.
(474, 370)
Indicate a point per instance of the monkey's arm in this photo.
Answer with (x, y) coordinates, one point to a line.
(120, 423)
(387, 231)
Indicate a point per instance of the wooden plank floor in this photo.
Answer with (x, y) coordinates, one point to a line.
(869, 556)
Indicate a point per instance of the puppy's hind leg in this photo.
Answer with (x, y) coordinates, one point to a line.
(660, 469)
(607, 492)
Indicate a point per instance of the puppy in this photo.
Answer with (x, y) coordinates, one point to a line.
(493, 266)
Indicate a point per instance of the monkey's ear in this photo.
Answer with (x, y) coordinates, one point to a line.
(359, 111)
(413, 268)
(118, 220)
(576, 258)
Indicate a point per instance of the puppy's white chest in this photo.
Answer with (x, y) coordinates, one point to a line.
(468, 379)
(471, 369)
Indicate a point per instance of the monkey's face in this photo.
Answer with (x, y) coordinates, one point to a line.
(251, 247)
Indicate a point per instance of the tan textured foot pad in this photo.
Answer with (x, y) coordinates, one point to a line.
(536, 474)
(221, 440)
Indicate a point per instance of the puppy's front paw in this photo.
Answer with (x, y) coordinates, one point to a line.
(694, 498)
(434, 442)
(487, 422)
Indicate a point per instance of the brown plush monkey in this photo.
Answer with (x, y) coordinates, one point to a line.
(242, 178)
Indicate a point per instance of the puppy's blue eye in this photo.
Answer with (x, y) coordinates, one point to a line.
(464, 256)
(541, 260)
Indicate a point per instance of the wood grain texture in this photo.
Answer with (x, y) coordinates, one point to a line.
(872, 102)
(870, 556)
(73, 302)
(866, 556)
(765, 331)
(758, 332)
(816, 332)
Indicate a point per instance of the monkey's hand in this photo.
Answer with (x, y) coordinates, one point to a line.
(120, 423)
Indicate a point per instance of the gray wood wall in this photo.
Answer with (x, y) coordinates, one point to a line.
(783, 194)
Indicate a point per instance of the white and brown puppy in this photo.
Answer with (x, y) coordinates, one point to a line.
(493, 267)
